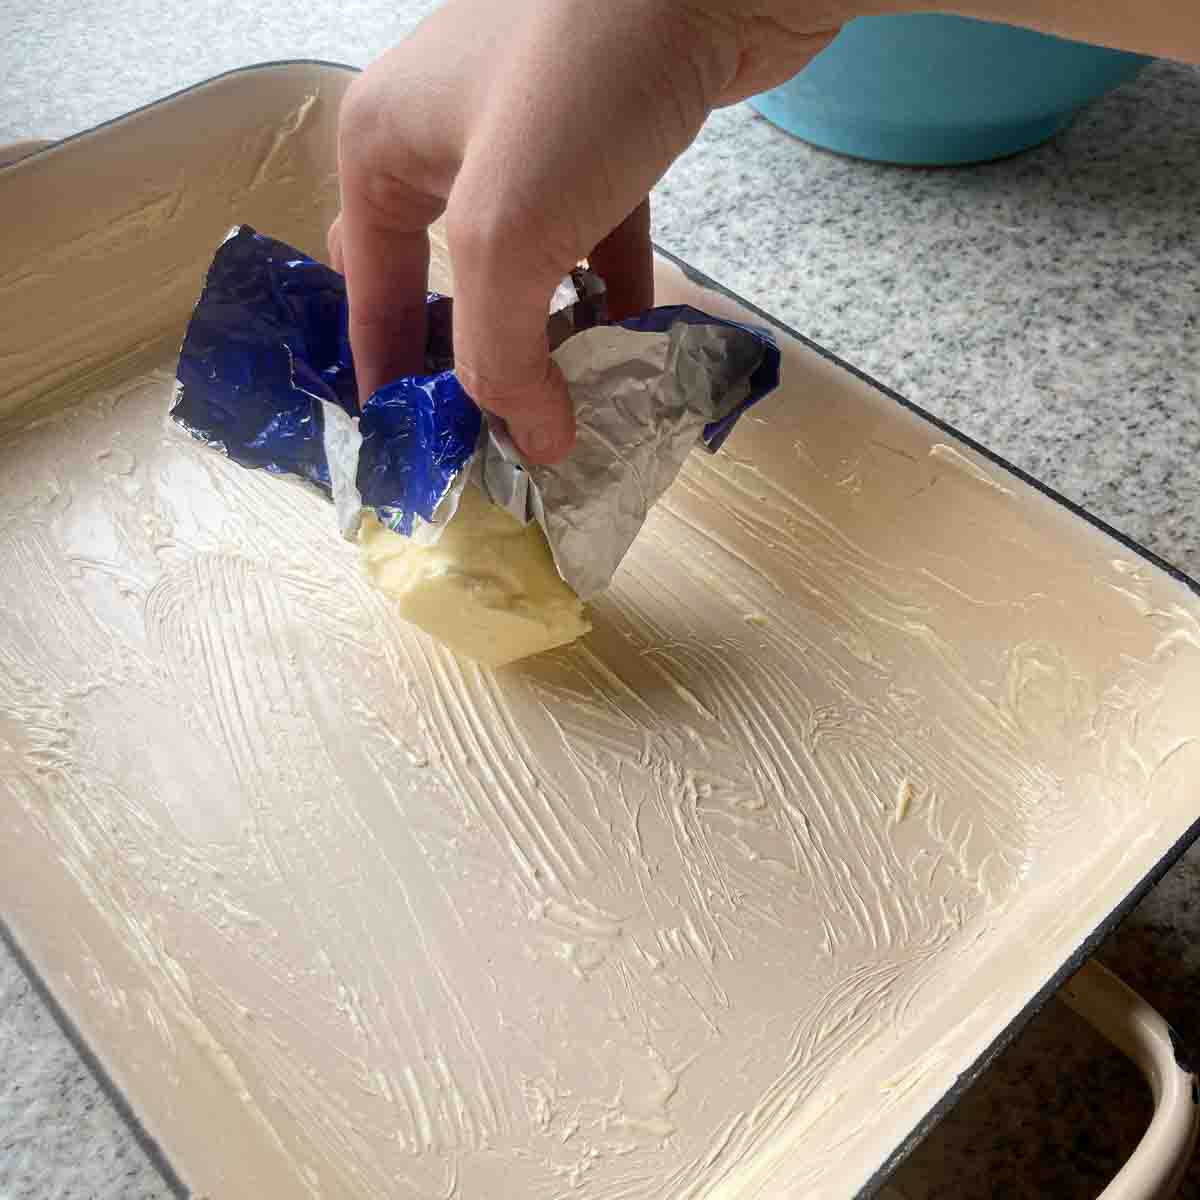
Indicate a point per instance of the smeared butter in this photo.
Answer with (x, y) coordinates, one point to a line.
(488, 589)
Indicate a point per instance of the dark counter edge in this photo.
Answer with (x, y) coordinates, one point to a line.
(1005, 1038)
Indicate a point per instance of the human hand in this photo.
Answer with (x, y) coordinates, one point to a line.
(538, 127)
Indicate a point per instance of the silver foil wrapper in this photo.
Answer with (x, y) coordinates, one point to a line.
(642, 401)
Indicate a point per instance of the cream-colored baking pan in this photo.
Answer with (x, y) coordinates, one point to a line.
(872, 740)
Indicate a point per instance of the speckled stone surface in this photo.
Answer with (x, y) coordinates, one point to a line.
(61, 1138)
(1047, 305)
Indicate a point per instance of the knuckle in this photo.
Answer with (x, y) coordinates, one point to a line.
(371, 313)
(475, 237)
(393, 203)
(521, 397)
(358, 117)
(388, 182)
(366, 316)
(489, 227)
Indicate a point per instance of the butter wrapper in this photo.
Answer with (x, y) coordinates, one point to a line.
(265, 376)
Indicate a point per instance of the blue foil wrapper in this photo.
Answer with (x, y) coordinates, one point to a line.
(268, 347)
(418, 436)
(266, 344)
(265, 375)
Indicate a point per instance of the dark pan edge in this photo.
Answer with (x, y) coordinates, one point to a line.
(1038, 1001)
(1149, 556)
(1040, 998)
(149, 1146)
(1035, 1005)
(273, 64)
(111, 1091)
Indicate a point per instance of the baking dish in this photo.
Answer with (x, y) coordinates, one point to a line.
(873, 740)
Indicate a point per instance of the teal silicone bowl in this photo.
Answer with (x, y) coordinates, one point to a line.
(930, 90)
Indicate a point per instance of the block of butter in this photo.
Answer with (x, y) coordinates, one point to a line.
(489, 554)
(487, 588)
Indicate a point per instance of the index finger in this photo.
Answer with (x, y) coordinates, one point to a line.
(385, 257)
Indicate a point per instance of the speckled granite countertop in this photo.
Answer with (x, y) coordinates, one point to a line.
(1046, 305)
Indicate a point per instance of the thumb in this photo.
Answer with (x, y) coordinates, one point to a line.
(501, 355)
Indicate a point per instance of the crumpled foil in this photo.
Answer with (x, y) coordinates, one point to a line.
(265, 376)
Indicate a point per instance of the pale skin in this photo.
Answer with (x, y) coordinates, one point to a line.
(537, 129)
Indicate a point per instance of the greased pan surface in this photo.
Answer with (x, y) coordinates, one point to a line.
(870, 739)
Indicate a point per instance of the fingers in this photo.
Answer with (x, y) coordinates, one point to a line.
(393, 179)
(385, 258)
(382, 241)
(386, 271)
(625, 261)
(486, 114)
(544, 183)
(502, 358)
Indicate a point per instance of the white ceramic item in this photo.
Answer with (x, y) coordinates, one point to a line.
(872, 740)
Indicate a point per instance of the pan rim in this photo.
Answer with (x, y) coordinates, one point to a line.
(970, 1073)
